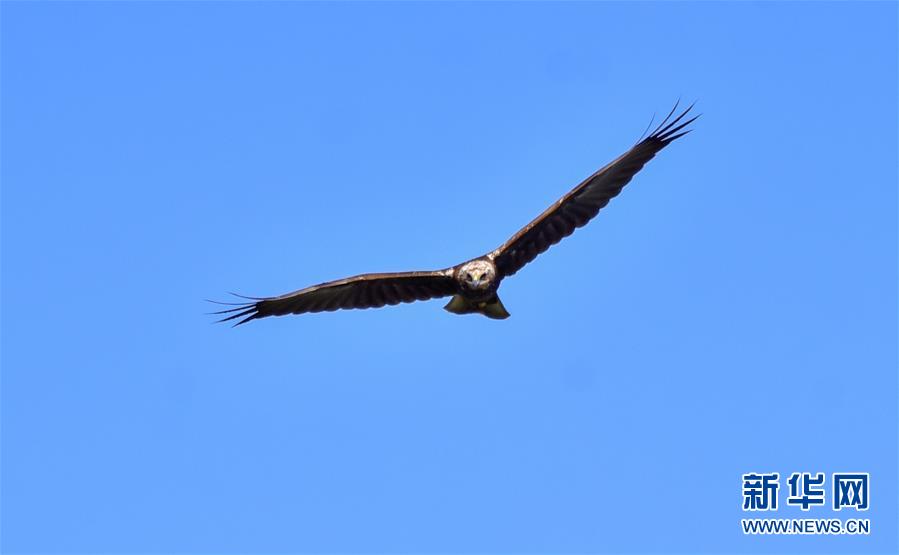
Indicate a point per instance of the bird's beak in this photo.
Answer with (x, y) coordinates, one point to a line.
(476, 283)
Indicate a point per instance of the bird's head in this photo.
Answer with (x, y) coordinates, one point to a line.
(477, 275)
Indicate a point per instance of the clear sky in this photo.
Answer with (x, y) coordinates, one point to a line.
(734, 310)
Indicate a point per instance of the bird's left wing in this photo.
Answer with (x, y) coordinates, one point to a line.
(365, 291)
(583, 202)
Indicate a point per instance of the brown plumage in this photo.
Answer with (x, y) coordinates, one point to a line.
(474, 283)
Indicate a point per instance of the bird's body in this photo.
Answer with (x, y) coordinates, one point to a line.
(473, 284)
(478, 282)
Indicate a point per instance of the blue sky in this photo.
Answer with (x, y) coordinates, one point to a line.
(734, 310)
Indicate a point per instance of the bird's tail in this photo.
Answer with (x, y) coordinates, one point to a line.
(491, 308)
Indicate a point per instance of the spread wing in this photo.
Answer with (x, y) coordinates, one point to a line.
(365, 291)
(583, 202)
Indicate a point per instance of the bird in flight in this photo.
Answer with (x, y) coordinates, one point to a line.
(473, 284)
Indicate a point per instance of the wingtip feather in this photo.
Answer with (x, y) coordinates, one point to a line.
(670, 129)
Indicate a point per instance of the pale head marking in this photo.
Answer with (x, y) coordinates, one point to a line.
(477, 274)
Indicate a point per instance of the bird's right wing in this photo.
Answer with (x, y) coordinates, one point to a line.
(365, 291)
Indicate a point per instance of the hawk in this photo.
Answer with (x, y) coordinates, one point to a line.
(473, 284)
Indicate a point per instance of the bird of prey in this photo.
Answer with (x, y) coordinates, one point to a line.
(473, 284)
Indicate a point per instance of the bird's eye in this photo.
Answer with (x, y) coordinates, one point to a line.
(467, 276)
